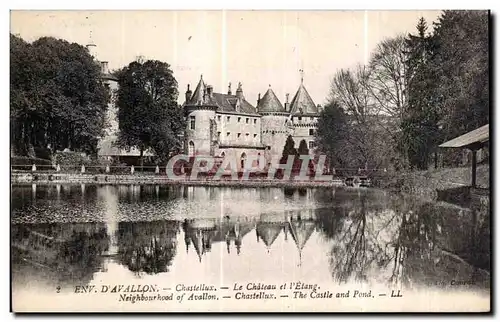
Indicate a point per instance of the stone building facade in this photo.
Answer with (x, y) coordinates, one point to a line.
(223, 124)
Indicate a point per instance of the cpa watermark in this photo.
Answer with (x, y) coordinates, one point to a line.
(304, 167)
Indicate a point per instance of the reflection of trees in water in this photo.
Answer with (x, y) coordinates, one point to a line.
(66, 253)
(412, 248)
(373, 241)
(356, 246)
(147, 247)
(83, 251)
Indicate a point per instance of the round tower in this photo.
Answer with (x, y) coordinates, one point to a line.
(275, 124)
(201, 126)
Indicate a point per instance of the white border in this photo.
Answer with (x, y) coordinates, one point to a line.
(190, 4)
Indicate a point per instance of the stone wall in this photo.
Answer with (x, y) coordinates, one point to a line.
(275, 130)
(201, 136)
(302, 127)
(234, 129)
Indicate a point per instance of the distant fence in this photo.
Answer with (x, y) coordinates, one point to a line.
(162, 170)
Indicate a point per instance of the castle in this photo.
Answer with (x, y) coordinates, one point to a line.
(220, 124)
(226, 124)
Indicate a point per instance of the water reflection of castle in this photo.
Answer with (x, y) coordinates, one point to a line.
(77, 250)
(203, 233)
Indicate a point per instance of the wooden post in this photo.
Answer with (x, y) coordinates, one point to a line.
(474, 166)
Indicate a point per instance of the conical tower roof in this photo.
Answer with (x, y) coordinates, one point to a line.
(268, 232)
(301, 231)
(270, 103)
(199, 93)
(196, 238)
(302, 102)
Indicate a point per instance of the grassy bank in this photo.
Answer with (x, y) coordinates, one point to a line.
(425, 183)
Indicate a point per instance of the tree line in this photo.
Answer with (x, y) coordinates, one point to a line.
(58, 101)
(417, 91)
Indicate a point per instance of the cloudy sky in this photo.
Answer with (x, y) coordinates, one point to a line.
(256, 48)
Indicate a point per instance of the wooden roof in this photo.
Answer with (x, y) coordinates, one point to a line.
(477, 136)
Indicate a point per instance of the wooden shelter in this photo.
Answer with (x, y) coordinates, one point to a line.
(473, 140)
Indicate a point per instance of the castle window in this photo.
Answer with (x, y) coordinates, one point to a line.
(255, 135)
(228, 133)
(300, 118)
(312, 144)
(228, 118)
(239, 119)
(272, 133)
(247, 120)
(192, 120)
(218, 118)
(239, 134)
(311, 131)
(218, 136)
(247, 134)
(254, 121)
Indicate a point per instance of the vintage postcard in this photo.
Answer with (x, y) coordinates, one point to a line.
(250, 161)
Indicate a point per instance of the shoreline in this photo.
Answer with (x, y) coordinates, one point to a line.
(121, 179)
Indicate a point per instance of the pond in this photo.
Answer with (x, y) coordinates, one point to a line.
(341, 239)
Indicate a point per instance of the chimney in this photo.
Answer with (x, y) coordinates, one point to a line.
(286, 101)
(104, 67)
(258, 100)
(210, 90)
(239, 92)
(229, 89)
(188, 94)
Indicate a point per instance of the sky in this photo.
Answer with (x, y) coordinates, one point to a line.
(257, 48)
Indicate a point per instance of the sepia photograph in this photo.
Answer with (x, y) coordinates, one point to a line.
(250, 161)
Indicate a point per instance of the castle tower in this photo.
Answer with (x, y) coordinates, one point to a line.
(200, 110)
(91, 47)
(304, 115)
(274, 123)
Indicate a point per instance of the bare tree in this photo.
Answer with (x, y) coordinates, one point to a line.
(388, 77)
(367, 139)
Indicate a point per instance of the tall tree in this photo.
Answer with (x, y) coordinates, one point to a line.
(462, 64)
(288, 149)
(148, 114)
(332, 133)
(388, 85)
(350, 88)
(58, 99)
(420, 130)
(303, 148)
